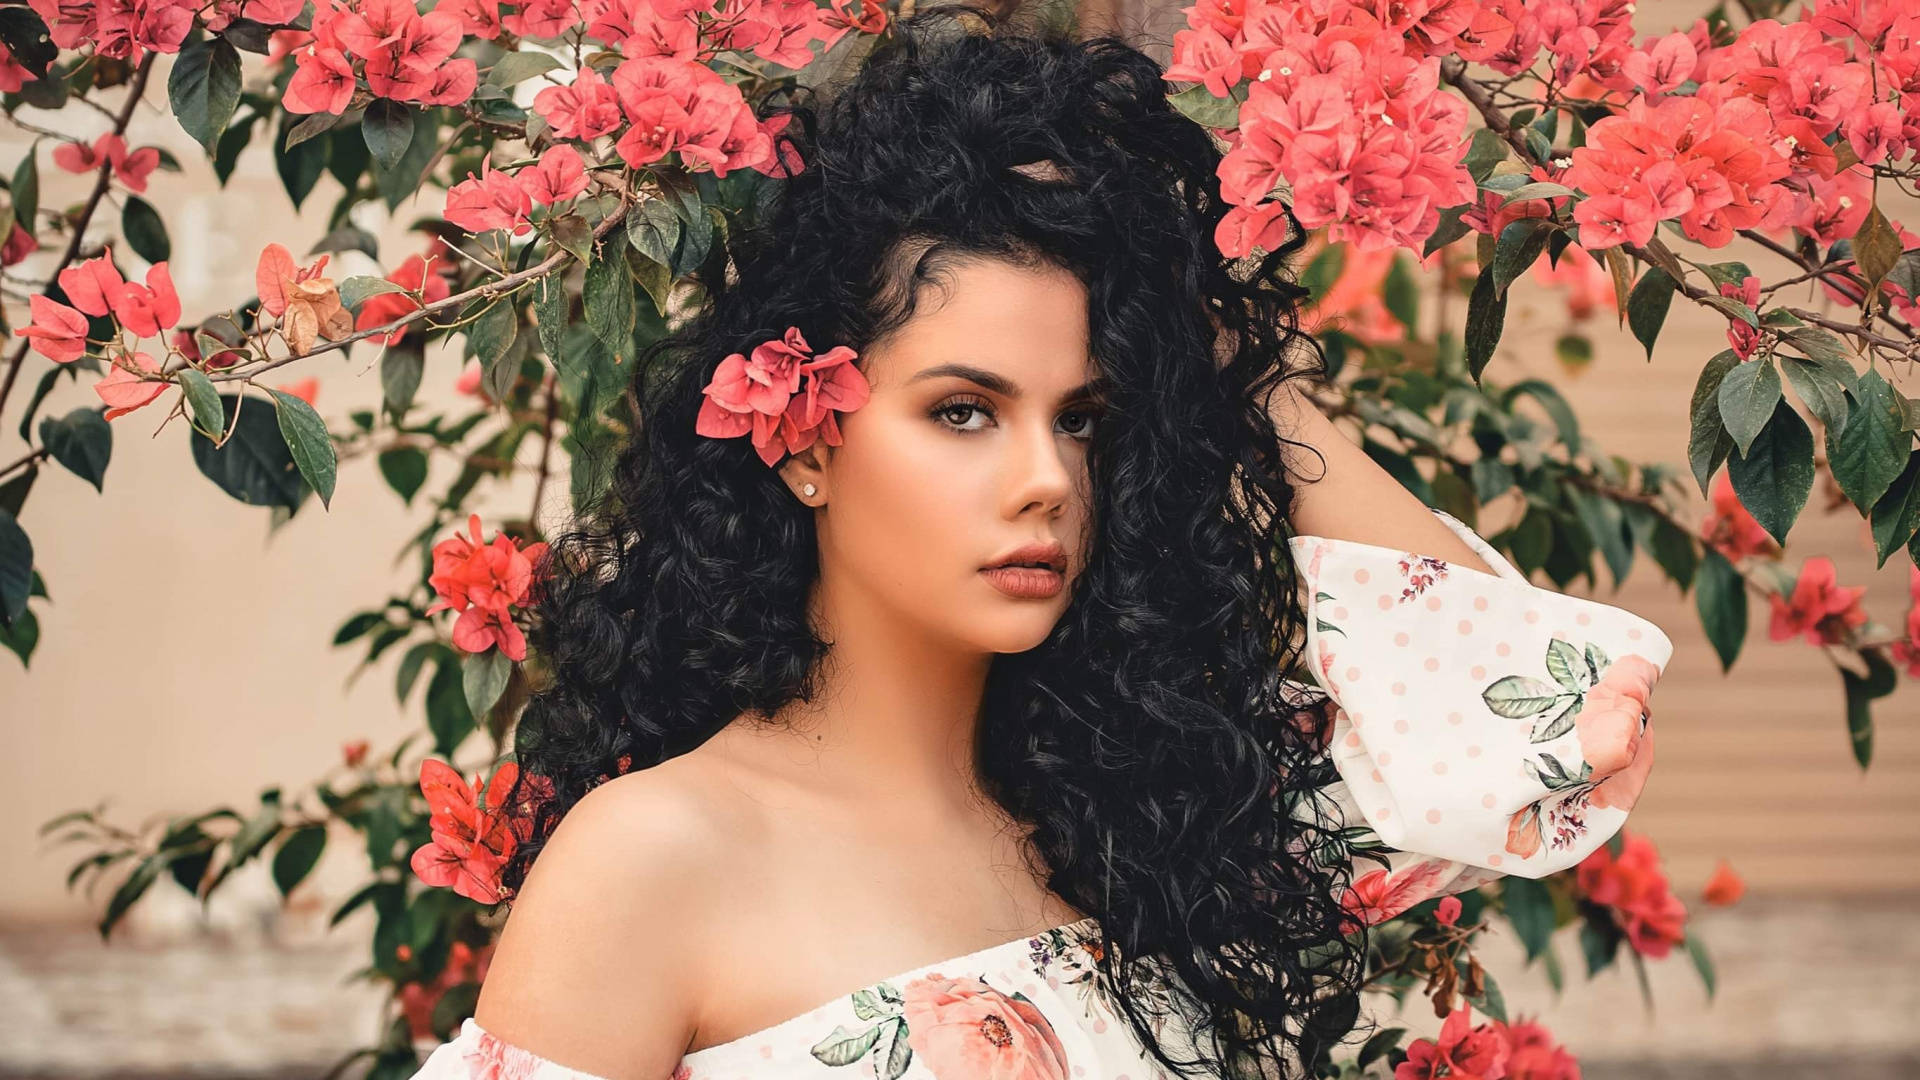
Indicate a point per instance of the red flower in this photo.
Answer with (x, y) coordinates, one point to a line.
(1725, 887)
(20, 244)
(471, 840)
(1447, 911)
(763, 396)
(1818, 608)
(125, 391)
(58, 332)
(1636, 889)
(1532, 1054)
(354, 752)
(132, 169)
(483, 583)
(96, 287)
(1460, 1053)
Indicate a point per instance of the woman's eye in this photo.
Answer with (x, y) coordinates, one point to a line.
(1088, 418)
(964, 408)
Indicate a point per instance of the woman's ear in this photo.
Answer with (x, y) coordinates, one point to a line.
(806, 473)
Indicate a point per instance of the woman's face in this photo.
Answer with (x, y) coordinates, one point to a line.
(972, 444)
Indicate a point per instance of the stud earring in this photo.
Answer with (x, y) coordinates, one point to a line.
(809, 490)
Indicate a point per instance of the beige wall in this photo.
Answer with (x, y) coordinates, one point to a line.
(185, 659)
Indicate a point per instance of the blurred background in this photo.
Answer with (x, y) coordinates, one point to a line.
(187, 662)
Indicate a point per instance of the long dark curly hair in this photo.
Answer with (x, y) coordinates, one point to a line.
(1149, 742)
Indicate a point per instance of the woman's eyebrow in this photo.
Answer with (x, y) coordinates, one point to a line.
(998, 383)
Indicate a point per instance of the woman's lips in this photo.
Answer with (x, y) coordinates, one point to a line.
(1025, 582)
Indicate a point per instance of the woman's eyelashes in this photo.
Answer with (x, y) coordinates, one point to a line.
(1081, 420)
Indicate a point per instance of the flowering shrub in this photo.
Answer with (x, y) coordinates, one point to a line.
(581, 159)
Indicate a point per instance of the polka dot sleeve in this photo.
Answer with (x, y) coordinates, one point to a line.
(1483, 725)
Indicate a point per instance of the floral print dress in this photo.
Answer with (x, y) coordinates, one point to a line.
(1482, 726)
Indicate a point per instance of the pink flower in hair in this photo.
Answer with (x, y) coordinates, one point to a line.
(783, 396)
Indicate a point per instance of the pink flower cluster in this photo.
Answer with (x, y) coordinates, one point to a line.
(95, 287)
(671, 105)
(762, 396)
(498, 200)
(1344, 107)
(484, 582)
(130, 169)
(129, 29)
(775, 30)
(406, 56)
(1521, 1050)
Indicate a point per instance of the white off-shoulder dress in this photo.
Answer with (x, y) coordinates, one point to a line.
(1480, 729)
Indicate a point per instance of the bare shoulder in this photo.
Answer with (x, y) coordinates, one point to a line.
(599, 966)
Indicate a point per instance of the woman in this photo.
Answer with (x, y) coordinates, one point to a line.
(879, 808)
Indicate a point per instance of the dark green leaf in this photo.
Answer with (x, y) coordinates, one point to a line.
(1748, 395)
(1519, 247)
(1826, 396)
(1529, 906)
(1451, 228)
(1488, 149)
(492, 335)
(21, 636)
(254, 465)
(355, 290)
(483, 677)
(16, 566)
(405, 469)
(132, 888)
(1773, 481)
(1323, 270)
(405, 179)
(301, 164)
(1720, 596)
(308, 441)
(1198, 104)
(608, 298)
(1872, 449)
(1556, 406)
(387, 128)
(1896, 517)
(1708, 443)
(298, 854)
(1647, 306)
(401, 367)
(26, 189)
(203, 402)
(146, 234)
(204, 88)
(447, 714)
(551, 307)
(518, 67)
(1702, 963)
(1402, 295)
(1486, 317)
(82, 440)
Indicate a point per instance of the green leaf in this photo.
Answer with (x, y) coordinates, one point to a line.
(132, 888)
(483, 677)
(405, 179)
(1600, 944)
(82, 440)
(608, 298)
(1574, 350)
(1732, 308)
(387, 128)
(1198, 104)
(492, 335)
(401, 367)
(574, 235)
(1488, 149)
(146, 234)
(1401, 294)
(1604, 520)
(1708, 443)
(297, 856)
(1861, 693)
(26, 189)
(1826, 396)
(21, 636)
(204, 88)
(308, 442)
(1720, 596)
(300, 162)
(1773, 481)
(1451, 228)
(1555, 405)
(253, 465)
(16, 566)
(1647, 306)
(1872, 449)
(203, 402)
(1896, 516)
(653, 228)
(518, 67)
(1529, 906)
(1748, 395)
(1539, 189)
(1702, 963)
(355, 290)
(447, 714)
(1486, 317)
(551, 306)
(1519, 246)
(1323, 270)
(405, 470)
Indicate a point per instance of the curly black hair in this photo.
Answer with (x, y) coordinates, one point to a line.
(1149, 742)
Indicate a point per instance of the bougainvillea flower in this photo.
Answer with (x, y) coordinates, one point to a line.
(1462, 1052)
(492, 200)
(1819, 607)
(1447, 911)
(20, 244)
(307, 389)
(484, 582)
(150, 309)
(559, 175)
(587, 109)
(1636, 889)
(762, 396)
(471, 841)
(124, 390)
(322, 82)
(58, 333)
(131, 169)
(1724, 887)
(90, 285)
(1532, 1052)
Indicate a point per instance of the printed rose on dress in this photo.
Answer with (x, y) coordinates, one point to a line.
(967, 1030)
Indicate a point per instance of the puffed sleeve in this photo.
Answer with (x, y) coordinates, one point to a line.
(474, 1053)
(1481, 725)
